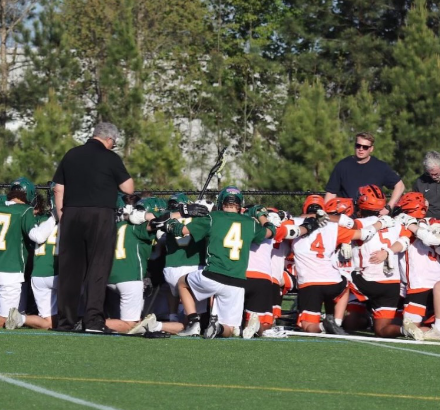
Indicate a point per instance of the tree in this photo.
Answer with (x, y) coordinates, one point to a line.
(311, 140)
(411, 101)
(40, 148)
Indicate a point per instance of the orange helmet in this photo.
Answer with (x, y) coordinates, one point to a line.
(413, 204)
(370, 198)
(313, 203)
(340, 206)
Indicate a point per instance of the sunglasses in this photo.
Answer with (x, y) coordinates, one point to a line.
(364, 147)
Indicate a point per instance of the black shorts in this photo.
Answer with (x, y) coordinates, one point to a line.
(418, 303)
(384, 297)
(311, 298)
(258, 298)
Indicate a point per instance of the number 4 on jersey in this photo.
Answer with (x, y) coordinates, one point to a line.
(318, 246)
(233, 241)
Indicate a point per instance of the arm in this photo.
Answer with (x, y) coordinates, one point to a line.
(127, 187)
(58, 191)
(328, 196)
(397, 193)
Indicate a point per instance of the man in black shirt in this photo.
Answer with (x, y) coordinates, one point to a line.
(362, 169)
(87, 182)
(429, 183)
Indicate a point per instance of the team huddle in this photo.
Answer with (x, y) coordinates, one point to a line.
(228, 265)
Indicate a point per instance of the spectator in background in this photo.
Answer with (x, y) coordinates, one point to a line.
(363, 169)
(86, 190)
(429, 183)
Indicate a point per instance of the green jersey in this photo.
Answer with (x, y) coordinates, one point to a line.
(229, 237)
(184, 251)
(44, 255)
(16, 220)
(133, 248)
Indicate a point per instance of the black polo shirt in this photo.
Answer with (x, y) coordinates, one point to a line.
(91, 175)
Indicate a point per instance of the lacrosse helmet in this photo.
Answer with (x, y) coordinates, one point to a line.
(176, 199)
(413, 204)
(152, 204)
(312, 204)
(230, 195)
(22, 184)
(337, 206)
(370, 198)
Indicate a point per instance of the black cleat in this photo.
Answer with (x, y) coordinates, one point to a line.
(331, 327)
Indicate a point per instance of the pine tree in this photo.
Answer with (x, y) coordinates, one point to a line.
(412, 104)
(40, 148)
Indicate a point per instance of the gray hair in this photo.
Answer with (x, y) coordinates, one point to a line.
(431, 160)
(106, 130)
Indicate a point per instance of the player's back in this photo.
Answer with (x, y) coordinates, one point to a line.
(13, 253)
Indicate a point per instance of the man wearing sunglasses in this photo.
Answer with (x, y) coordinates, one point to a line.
(429, 183)
(363, 169)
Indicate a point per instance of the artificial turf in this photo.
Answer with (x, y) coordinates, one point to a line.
(177, 373)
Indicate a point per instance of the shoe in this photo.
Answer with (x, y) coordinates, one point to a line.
(413, 330)
(331, 327)
(14, 319)
(274, 333)
(213, 328)
(252, 327)
(149, 323)
(236, 331)
(432, 334)
(193, 329)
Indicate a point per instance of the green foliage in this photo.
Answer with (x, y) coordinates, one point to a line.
(155, 160)
(40, 148)
(311, 141)
(412, 104)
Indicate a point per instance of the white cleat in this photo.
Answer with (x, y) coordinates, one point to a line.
(191, 331)
(252, 327)
(14, 319)
(147, 324)
(413, 330)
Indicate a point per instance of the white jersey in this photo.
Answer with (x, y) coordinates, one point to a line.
(314, 252)
(381, 240)
(278, 260)
(420, 267)
(259, 265)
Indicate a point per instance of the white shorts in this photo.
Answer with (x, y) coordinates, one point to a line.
(228, 301)
(172, 275)
(131, 299)
(9, 297)
(45, 294)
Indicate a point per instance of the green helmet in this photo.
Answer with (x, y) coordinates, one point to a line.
(152, 204)
(229, 195)
(176, 199)
(24, 185)
(2, 199)
(119, 201)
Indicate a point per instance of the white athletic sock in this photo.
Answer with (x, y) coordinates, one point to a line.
(321, 327)
(437, 323)
(338, 322)
(157, 328)
(23, 321)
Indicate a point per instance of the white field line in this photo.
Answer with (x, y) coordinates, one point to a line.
(403, 349)
(56, 395)
(363, 338)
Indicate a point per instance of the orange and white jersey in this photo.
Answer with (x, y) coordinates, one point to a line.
(362, 252)
(259, 265)
(280, 251)
(345, 267)
(313, 255)
(421, 266)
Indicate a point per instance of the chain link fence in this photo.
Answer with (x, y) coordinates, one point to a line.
(286, 200)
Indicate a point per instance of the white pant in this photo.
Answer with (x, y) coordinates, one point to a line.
(45, 294)
(228, 301)
(131, 299)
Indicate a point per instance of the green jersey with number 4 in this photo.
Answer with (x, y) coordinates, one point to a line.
(229, 238)
(16, 220)
(133, 248)
(44, 255)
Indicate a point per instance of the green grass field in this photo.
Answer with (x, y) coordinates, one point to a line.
(117, 372)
